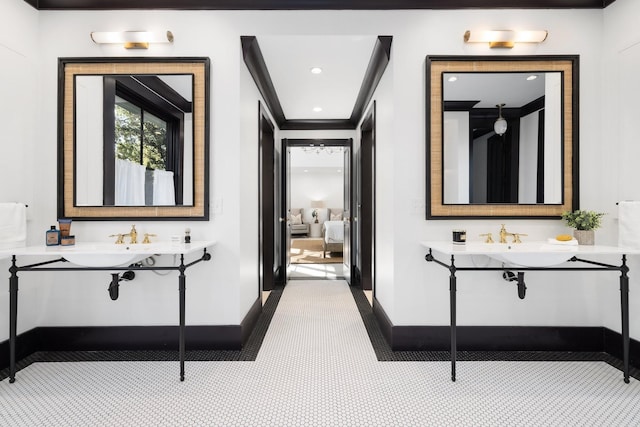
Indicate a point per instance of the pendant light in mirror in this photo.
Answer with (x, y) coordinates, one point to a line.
(500, 126)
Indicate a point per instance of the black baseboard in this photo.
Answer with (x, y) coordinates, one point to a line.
(250, 320)
(131, 338)
(505, 338)
(613, 346)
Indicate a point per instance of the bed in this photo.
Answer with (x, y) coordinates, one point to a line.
(332, 237)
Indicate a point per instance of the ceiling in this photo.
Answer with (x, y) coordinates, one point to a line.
(512, 89)
(343, 60)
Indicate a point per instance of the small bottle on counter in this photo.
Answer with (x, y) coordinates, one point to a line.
(187, 235)
(53, 236)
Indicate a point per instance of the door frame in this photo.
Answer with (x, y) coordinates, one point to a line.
(365, 265)
(267, 238)
(284, 181)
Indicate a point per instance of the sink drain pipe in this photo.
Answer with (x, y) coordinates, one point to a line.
(510, 276)
(116, 278)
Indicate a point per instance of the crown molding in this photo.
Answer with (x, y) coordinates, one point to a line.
(314, 4)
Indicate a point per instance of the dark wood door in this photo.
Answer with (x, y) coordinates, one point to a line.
(267, 209)
(367, 201)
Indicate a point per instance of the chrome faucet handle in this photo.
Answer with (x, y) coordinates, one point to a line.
(488, 239)
(120, 238)
(516, 237)
(146, 239)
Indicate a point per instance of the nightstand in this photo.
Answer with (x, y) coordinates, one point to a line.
(315, 229)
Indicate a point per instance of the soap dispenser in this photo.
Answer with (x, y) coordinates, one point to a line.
(53, 236)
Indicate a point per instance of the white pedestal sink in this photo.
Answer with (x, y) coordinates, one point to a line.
(522, 257)
(108, 254)
(99, 255)
(529, 254)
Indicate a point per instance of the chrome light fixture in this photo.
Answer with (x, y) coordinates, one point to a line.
(505, 38)
(132, 39)
(500, 126)
(321, 148)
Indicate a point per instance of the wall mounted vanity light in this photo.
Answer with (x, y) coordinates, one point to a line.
(132, 39)
(500, 126)
(505, 38)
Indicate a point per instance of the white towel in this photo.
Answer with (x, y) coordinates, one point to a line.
(629, 224)
(13, 225)
(129, 183)
(163, 188)
(554, 241)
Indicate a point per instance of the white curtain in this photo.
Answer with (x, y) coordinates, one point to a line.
(129, 189)
(163, 189)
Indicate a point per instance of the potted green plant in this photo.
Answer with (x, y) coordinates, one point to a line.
(584, 224)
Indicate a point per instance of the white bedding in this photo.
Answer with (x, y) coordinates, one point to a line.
(333, 231)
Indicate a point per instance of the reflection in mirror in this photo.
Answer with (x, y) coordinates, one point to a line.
(134, 139)
(134, 151)
(521, 165)
(501, 139)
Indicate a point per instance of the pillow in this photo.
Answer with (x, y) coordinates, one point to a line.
(296, 219)
(335, 214)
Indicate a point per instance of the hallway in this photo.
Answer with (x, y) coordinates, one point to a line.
(317, 367)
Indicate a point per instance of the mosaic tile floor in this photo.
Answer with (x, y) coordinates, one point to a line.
(317, 367)
(315, 271)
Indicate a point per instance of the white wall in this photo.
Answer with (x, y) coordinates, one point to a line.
(456, 156)
(324, 185)
(20, 113)
(411, 291)
(420, 288)
(616, 146)
(528, 159)
(553, 139)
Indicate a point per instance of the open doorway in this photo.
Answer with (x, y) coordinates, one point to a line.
(295, 121)
(316, 185)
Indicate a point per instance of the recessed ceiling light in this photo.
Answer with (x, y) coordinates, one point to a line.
(317, 109)
(532, 77)
(339, 170)
(316, 70)
(453, 78)
(306, 170)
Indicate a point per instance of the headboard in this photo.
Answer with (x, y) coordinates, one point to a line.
(335, 214)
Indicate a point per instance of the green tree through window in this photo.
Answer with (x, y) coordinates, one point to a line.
(140, 136)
